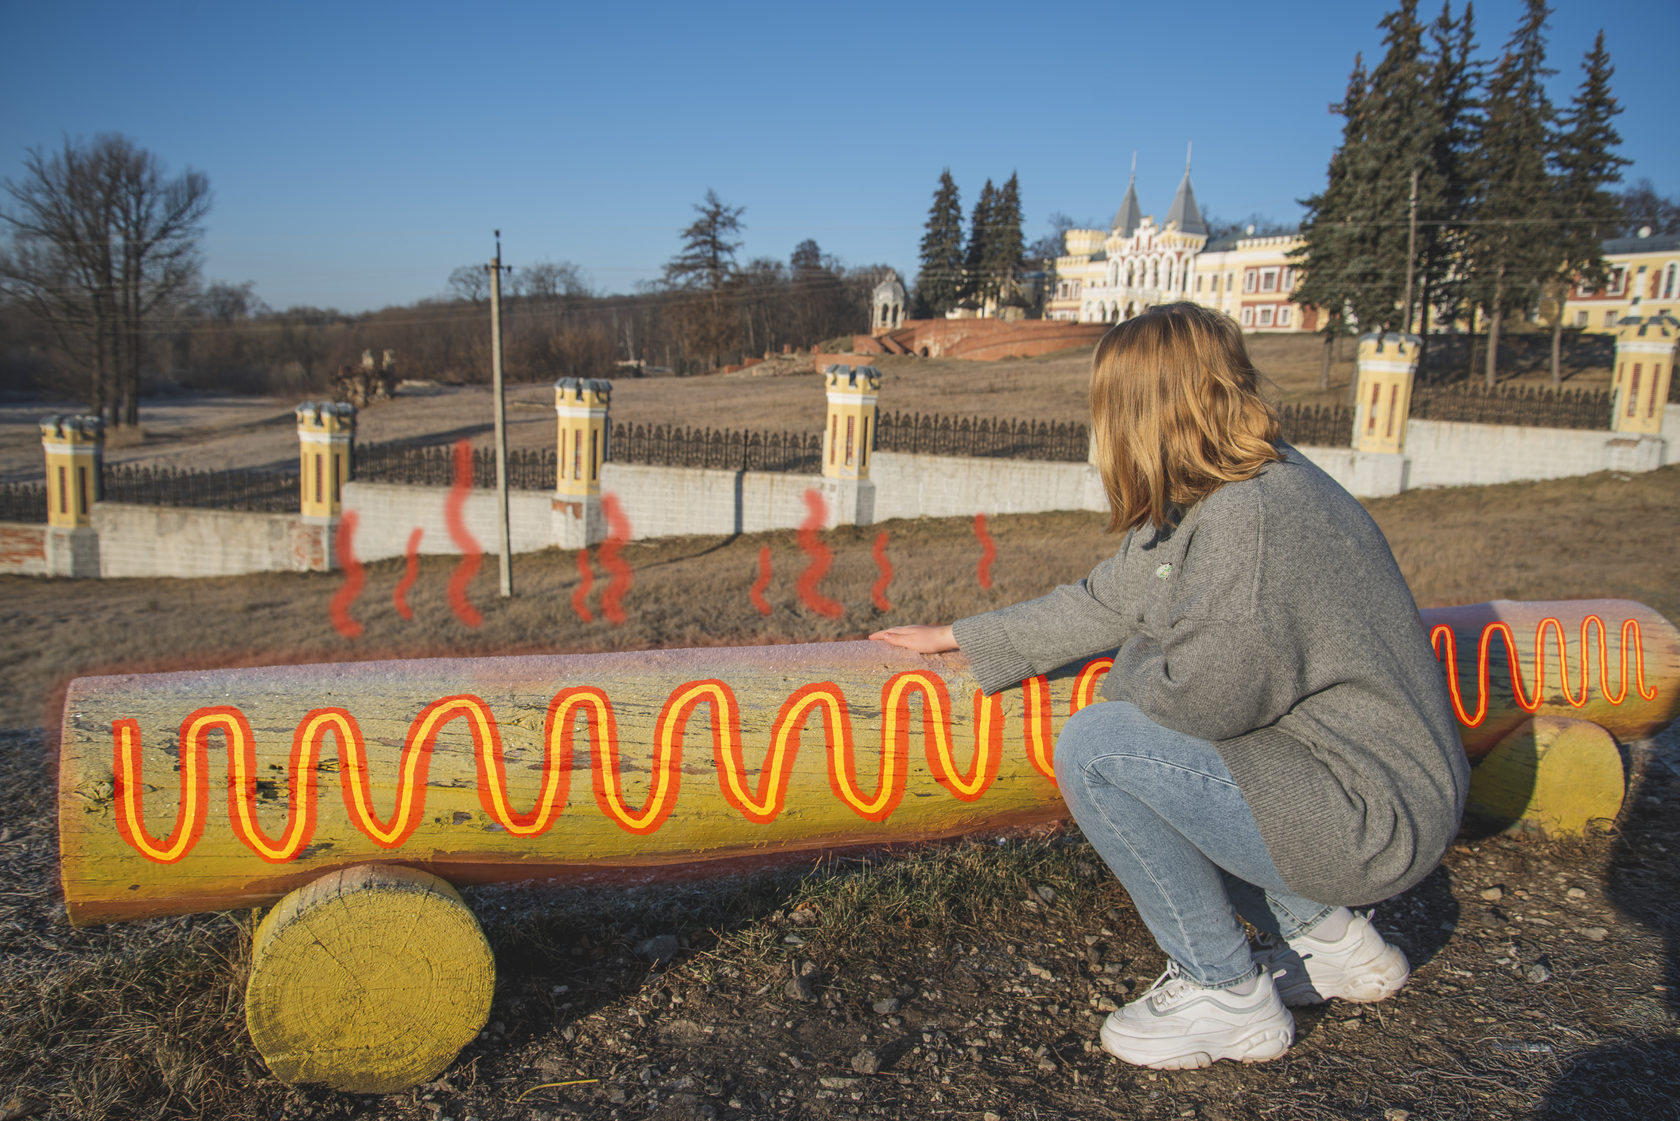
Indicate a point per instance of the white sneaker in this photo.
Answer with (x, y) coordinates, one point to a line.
(1359, 966)
(1178, 1025)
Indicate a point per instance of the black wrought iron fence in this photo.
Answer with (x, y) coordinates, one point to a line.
(1534, 408)
(1316, 426)
(434, 466)
(927, 434)
(239, 489)
(23, 502)
(721, 448)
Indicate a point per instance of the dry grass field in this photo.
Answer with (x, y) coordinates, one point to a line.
(190, 431)
(960, 981)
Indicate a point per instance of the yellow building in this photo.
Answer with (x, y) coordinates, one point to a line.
(1643, 269)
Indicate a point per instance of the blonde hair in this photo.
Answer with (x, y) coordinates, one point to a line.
(1176, 413)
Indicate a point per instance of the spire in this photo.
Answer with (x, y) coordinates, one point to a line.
(1183, 209)
(1126, 219)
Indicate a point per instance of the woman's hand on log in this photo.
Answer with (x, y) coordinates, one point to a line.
(919, 637)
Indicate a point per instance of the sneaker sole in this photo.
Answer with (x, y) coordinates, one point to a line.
(1376, 981)
(1261, 1047)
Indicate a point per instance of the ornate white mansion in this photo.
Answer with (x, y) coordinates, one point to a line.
(1109, 275)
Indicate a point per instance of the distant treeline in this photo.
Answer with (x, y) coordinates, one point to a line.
(224, 338)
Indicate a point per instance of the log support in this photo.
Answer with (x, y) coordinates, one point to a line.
(370, 980)
(1552, 774)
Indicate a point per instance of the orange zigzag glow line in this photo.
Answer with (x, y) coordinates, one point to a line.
(760, 803)
(1445, 643)
(1085, 685)
(1041, 744)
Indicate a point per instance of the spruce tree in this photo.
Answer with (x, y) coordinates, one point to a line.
(1333, 251)
(975, 286)
(1004, 242)
(1587, 165)
(1455, 80)
(1402, 134)
(939, 284)
(1509, 250)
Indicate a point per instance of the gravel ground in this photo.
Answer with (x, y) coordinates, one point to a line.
(964, 981)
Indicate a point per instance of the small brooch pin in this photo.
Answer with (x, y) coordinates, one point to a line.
(1164, 571)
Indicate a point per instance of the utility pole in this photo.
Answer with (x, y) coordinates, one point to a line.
(501, 419)
(1411, 250)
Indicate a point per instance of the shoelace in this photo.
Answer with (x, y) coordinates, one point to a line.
(1169, 988)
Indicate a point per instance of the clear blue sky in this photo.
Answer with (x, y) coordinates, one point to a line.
(359, 151)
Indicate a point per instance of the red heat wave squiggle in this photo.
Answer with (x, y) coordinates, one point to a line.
(354, 578)
(988, 551)
(618, 532)
(757, 593)
(879, 592)
(457, 522)
(817, 513)
(399, 597)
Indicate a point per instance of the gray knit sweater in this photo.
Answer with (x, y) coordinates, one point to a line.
(1273, 622)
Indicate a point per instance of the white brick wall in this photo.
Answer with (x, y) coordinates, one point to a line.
(181, 541)
(675, 501)
(937, 486)
(1442, 453)
(386, 513)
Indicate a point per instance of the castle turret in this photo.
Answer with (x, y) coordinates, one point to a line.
(75, 448)
(1386, 368)
(1645, 356)
(1184, 212)
(583, 416)
(582, 408)
(849, 432)
(326, 435)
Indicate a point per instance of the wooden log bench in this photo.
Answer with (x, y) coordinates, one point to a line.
(353, 798)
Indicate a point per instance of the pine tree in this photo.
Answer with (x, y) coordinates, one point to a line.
(1508, 252)
(1004, 242)
(1401, 137)
(974, 284)
(1333, 235)
(1586, 166)
(1455, 79)
(704, 267)
(939, 284)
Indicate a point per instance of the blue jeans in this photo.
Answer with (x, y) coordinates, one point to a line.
(1162, 810)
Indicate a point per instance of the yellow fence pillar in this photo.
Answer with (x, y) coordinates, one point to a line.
(75, 449)
(850, 428)
(848, 443)
(583, 416)
(326, 433)
(1645, 354)
(1386, 367)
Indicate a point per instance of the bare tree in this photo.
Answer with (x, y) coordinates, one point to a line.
(470, 283)
(101, 242)
(547, 280)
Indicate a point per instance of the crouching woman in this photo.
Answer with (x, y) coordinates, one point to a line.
(1277, 740)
